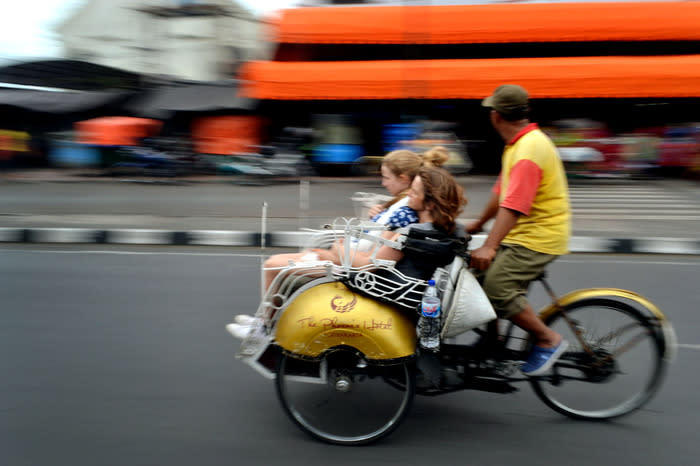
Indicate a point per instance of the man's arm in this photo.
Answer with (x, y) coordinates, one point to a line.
(506, 219)
(525, 178)
(490, 211)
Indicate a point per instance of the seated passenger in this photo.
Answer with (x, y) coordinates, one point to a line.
(437, 200)
(399, 168)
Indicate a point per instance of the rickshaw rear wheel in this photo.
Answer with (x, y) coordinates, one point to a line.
(343, 398)
(621, 368)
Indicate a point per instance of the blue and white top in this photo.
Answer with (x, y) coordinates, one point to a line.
(398, 215)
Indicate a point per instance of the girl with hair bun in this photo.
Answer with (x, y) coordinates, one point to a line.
(436, 156)
(398, 169)
(438, 200)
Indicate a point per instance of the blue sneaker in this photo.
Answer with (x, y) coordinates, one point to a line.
(541, 359)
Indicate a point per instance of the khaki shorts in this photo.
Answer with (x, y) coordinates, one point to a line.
(507, 280)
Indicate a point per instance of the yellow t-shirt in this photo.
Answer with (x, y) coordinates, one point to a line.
(533, 182)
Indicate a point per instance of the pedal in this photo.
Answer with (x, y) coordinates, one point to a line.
(506, 368)
(490, 385)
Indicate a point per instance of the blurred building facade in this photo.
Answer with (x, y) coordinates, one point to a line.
(629, 65)
(196, 40)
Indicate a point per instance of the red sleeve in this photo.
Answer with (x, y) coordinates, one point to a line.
(524, 180)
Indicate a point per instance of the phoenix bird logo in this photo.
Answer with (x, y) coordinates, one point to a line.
(340, 304)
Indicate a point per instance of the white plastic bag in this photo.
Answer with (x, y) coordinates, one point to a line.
(469, 308)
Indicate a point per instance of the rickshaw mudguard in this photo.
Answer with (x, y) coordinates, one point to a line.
(330, 315)
(669, 333)
(589, 293)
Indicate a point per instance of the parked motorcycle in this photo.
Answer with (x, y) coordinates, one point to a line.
(284, 158)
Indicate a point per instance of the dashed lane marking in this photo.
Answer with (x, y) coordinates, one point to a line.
(689, 346)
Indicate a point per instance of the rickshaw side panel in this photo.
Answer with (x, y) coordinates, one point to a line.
(331, 315)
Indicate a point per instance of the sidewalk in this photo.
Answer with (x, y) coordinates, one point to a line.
(224, 211)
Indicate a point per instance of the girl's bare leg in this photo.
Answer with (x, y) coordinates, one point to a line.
(276, 261)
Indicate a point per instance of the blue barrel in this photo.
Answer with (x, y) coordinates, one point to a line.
(72, 154)
(337, 153)
(393, 134)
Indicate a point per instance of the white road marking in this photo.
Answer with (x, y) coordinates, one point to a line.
(641, 209)
(688, 346)
(632, 203)
(622, 216)
(633, 198)
(623, 261)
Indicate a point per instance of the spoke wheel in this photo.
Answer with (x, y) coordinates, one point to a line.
(620, 370)
(343, 399)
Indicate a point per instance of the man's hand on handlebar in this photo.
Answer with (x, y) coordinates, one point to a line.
(482, 257)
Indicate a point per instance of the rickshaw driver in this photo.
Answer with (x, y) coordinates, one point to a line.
(530, 203)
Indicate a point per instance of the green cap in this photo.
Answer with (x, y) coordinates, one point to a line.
(508, 99)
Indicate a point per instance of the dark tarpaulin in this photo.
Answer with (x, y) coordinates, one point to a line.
(61, 102)
(69, 74)
(201, 97)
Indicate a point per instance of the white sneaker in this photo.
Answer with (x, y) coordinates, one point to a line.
(245, 319)
(238, 330)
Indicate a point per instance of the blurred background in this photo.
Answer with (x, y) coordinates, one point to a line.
(290, 88)
(117, 289)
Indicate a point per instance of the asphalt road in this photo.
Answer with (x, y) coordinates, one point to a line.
(118, 356)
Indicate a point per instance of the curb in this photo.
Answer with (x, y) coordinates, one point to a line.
(296, 239)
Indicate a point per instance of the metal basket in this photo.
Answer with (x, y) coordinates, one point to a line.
(379, 279)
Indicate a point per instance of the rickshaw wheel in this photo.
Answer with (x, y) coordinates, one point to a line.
(343, 398)
(622, 369)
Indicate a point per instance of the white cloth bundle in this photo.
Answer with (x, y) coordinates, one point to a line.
(469, 307)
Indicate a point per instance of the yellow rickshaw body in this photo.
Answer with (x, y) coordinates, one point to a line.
(330, 315)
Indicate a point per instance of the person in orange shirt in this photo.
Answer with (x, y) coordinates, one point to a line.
(530, 204)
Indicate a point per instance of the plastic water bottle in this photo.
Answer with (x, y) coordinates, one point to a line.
(429, 322)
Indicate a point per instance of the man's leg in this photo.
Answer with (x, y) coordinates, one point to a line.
(529, 321)
(510, 277)
(506, 283)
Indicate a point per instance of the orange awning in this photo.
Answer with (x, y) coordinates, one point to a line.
(494, 23)
(116, 131)
(558, 77)
(226, 135)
